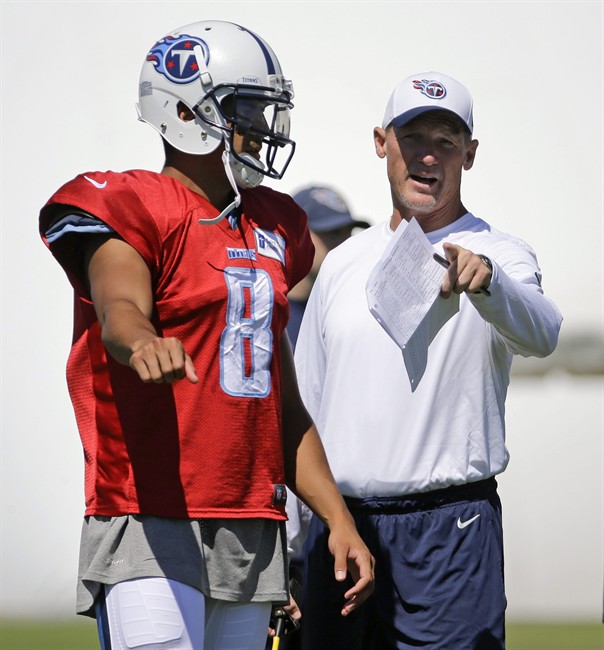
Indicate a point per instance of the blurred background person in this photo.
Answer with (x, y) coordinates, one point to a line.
(330, 222)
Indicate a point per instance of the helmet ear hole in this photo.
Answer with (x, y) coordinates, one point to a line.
(184, 112)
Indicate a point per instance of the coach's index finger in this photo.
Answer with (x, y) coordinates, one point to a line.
(450, 278)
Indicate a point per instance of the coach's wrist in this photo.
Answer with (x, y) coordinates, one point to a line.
(487, 262)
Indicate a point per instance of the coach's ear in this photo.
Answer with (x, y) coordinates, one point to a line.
(470, 155)
(379, 140)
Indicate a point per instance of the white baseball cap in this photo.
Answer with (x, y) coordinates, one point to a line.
(428, 91)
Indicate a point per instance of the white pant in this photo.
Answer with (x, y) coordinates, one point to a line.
(161, 614)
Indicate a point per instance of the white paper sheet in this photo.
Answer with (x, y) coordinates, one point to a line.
(403, 295)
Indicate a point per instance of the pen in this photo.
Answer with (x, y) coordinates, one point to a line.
(443, 262)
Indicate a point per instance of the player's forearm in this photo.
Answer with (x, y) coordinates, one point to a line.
(309, 476)
(306, 467)
(121, 291)
(123, 329)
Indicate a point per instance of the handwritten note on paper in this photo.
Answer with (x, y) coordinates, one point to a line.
(403, 294)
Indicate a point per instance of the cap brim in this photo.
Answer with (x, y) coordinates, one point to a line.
(407, 116)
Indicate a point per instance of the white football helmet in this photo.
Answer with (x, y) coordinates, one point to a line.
(232, 81)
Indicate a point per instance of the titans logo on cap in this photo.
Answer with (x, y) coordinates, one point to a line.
(173, 56)
(431, 89)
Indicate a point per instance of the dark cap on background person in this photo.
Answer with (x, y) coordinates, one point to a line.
(326, 209)
(428, 91)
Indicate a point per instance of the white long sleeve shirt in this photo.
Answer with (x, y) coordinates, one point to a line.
(381, 438)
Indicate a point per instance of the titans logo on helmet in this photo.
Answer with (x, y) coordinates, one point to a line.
(432, 89)
(173, 56)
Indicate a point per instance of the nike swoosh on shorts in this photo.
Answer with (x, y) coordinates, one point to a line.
(462, 524)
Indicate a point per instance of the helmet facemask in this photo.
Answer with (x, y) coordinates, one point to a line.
(260, 115)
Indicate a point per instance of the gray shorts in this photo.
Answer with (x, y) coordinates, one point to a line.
(237, 560)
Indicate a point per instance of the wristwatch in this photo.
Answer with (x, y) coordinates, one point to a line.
(489, 265)
(487, 261)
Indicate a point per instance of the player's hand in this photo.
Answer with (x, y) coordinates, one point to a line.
(466, 272)
(351, 555)
(162, 360)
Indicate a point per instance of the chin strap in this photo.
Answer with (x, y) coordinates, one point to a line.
(239, 175)
(226, 155)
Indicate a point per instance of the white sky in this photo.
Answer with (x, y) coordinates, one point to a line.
(69, 84)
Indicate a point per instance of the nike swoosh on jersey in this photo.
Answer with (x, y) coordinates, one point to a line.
(99, 186)
(462, 524)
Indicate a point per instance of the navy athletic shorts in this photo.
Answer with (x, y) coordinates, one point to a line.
(439, 580)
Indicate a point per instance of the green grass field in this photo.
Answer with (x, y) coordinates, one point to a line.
(81, 635)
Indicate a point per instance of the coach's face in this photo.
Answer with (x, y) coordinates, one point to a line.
(425, 159)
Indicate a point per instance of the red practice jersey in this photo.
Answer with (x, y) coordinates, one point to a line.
(212, 449)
